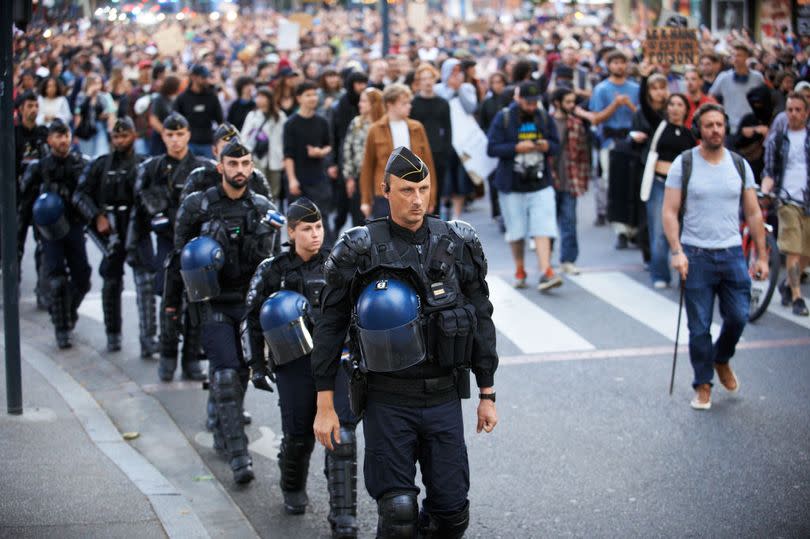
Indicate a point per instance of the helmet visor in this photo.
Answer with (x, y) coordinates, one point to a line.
(201, 284)
(289, 342)
(390, 350)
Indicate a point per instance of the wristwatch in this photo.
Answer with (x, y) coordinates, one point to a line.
(487, 396)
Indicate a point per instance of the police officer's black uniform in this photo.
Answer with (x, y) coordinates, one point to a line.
(158, 186)
(31, 145)
(240, 226)
(64, 260)
(107, 188)
(414, 414)
(202, 178)
(296, 386)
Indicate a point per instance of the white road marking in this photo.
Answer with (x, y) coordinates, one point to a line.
(519, 320)
(638, 301)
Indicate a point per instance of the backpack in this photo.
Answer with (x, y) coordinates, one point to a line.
(686, 173)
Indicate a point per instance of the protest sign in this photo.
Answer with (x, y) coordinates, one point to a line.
(674, 46)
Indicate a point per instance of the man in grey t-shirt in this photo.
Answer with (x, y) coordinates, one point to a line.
(708, 254)
(731, 87)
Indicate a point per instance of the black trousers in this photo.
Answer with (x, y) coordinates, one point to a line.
(68, 257)
(297, 398)
(398, 437)
(220, 339)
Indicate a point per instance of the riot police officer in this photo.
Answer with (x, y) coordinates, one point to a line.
(104, 197)
(158, 186)
(31, 144)
(298, 274)
(411, 290)
(47, 189)
(202, 178)
(237, 219)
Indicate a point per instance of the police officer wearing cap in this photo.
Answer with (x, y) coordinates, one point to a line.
(237, 219)
(46, 192)
(295, 278)
(202, 178)
(158, 186)
(104, 197)
(411, 291)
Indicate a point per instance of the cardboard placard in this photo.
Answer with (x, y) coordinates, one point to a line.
(289, 34)
(169, 40)
(417, 16)
(675, 46)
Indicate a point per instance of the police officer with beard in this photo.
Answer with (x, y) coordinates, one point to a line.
(158, 186)
(300, 270)
(105, 198)
(411, 291)
(237, 219)
(202, 178)
(46, 191)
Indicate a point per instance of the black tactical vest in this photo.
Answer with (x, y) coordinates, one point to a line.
(307, 279)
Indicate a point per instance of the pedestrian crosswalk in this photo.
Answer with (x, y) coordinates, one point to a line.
(524, 320)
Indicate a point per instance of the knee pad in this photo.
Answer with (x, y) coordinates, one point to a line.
(398, 513)
(347, 447)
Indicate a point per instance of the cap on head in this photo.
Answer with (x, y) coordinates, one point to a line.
(404, 164)
(175, 121)
(234, 148)
(58, 126)
(529, 90)
(200, 70)
(303, 209)
(124, 124)
(803, 85)
(226, 131)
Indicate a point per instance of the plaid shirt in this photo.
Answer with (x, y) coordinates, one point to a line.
(576, 154)
(775, 165)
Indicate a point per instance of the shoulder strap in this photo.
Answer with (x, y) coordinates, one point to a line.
(686, 173)
(505, 112)
(739, 164)
(657, 136)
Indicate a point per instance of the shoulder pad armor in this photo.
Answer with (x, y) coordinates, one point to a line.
(261, 202)
(464, 230)
(252, 299)
(343, 260)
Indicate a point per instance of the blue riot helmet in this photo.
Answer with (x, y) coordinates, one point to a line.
(49, 216)
(200, 262)
(283, 320)
(389, 325)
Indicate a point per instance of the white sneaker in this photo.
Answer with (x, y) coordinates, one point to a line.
(660, 285)
(569, 268)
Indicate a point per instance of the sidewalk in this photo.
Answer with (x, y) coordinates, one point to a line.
(56, 480)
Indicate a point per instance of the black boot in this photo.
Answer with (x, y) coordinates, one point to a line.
(76, 297)
(60, 310)
(341, 476)
(293, 461)
(442, 526)
(244, 377)
(111, 304)
(227, 391)
(147, 318)
(189, 357)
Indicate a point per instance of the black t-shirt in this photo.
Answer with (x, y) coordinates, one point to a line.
(201, 111)
(29, 145)
(298, 133)
(161, 107)
(434, 114)
(239, 111)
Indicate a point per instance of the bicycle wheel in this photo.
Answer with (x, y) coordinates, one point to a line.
(762, 291)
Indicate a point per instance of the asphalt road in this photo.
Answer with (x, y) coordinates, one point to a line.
(589, 443)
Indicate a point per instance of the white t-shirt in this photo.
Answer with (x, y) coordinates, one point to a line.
(795, 178)
(400, 134)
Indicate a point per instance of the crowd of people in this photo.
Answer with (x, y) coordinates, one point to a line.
(141, 138)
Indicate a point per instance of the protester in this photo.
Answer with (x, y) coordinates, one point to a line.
(162, 105)
(95, 107)
(393, 130)
(787, 174)
(52, 102)
(523, 138)
(731, 87)
(263, 134)
(694, 92)
(244, 87)
(707, 250)
(201, 107)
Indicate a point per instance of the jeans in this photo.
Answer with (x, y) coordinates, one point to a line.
(567, 223)
(659, 247)
(721, 273)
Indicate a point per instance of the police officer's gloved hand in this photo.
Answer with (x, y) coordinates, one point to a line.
(133, 259)
(262, 378)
